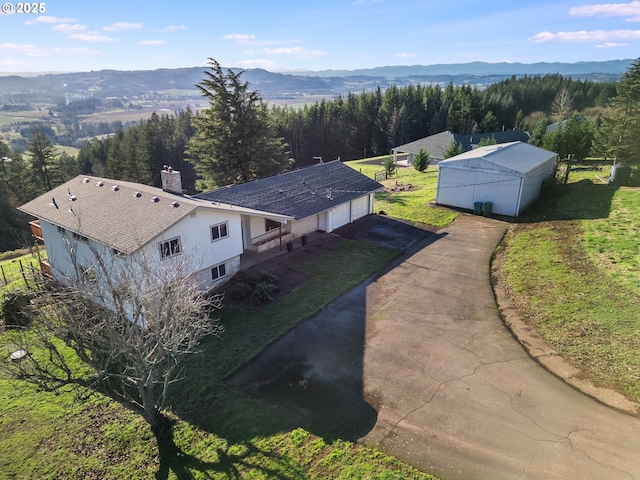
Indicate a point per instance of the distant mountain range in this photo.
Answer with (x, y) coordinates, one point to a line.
(613, 67)
(290, 85)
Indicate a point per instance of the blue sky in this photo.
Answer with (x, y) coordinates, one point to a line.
(281, 35)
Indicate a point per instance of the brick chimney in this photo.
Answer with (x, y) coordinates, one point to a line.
(171, 180)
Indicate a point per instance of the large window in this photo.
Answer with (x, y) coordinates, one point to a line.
(219, 271)
(219, 231)
(169, 248)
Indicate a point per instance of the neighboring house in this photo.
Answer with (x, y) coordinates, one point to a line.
(509, 175)
(99, 216)
(436, 144)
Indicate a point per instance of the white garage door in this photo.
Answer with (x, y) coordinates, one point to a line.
(359, 208)
(340, 215)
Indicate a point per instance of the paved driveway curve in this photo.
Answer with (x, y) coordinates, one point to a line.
(457, 396)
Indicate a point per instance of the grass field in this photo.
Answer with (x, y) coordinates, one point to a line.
(11, 270)
(219, 432)
(575, 275)
(414, 204)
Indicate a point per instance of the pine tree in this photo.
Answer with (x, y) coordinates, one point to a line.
(42, 155)
(618, 134)
(235, 140)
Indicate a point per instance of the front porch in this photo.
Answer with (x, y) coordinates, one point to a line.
(250, 258)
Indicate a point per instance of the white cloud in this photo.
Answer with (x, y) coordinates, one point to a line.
(612, 45)
(298, 52)
(68, 28)
(250, 40)
(605, 10)
(405, 55)
(151, 42)
(257, 63)
(586, 36)
(33, 51)
(48, 20)
(122, 27)
(92, 37)
(170, 29)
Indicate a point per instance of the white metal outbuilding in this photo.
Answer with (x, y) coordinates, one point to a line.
(509, 175)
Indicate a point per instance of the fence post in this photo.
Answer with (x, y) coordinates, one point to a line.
(4, 277)
(24, 276)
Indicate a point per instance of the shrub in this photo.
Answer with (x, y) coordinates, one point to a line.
(241, 290)
(15, 307)
(389, 166)
(262, 292)
(268, 276)
(421, 161)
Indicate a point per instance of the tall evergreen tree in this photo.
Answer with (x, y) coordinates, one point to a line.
(42, 154)
(235, 140)
(618, 134)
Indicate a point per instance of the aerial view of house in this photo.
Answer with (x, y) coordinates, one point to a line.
(88, 215)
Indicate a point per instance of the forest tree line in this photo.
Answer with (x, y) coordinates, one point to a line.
(356, 126)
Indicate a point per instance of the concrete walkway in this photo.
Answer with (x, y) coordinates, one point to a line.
(455, 393)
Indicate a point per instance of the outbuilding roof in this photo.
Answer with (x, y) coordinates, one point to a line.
(122, 215)
(513, 158)
(438, 143)
(298, 193)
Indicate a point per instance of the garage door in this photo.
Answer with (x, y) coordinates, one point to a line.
(359, 208)
(340, 215)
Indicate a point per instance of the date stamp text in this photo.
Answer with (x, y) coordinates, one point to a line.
(32, 7)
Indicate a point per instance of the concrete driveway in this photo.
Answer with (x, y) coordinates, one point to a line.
(422, 352)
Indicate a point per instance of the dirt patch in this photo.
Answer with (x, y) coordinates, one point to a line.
(284, 267)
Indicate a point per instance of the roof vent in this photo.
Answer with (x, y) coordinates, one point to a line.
(99, 184)
(155, 199)
(175, 204)
(137, 194)
(85, 180)
(115, 188)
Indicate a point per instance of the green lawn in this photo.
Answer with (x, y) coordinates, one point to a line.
(412, 205)
(220, 432)
(575, 275)
(11, 269)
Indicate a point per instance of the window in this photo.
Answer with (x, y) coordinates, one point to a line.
(271, 225)
(170, 247)
(218, 271)
(219, 231)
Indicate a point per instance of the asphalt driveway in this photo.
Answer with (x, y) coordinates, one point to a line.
(420, 350)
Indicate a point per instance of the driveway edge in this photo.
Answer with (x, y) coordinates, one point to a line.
(546, 355)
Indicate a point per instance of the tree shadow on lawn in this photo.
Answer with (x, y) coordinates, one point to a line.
(173, 459)
(583, 200)
(245, 385)
(309, 377)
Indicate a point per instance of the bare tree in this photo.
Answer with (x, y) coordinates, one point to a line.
(128, 320)
(562, 105)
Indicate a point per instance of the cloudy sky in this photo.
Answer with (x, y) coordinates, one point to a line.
(281, 35)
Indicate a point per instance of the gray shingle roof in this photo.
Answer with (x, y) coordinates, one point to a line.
(438, 143)
(299, 193)
(109, 211)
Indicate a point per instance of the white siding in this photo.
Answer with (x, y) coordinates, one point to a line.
(196, 241)
(462, 187)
